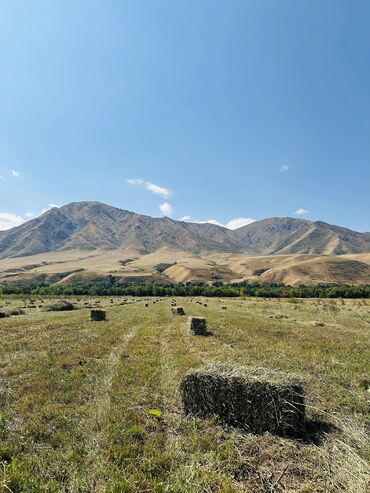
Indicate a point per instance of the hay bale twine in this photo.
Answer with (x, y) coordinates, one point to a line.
(97, 315)
(248, 398)
(198, 326)
(177, 310)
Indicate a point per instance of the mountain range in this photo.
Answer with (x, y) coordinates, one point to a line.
(83, 228)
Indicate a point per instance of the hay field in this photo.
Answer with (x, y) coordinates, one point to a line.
(94, 406)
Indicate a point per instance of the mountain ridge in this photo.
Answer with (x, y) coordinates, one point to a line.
(84, 241)
(96, 226)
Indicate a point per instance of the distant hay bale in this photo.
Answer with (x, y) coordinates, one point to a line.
(224, 307)
(198, 326)
(60, 306)
(177, 310)
(97, 315)
(4, 314)
(16, 311)
(248, 398)
(146, 304)
(205, 304)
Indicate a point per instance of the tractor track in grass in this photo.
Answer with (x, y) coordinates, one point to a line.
(97, 426)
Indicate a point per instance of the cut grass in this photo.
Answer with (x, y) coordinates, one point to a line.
(77, 398)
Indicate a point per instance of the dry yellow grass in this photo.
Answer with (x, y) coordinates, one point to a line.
(70, 266)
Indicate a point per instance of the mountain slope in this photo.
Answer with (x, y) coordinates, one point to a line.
(324, 239)
(285, 235)
(263, 237)
(89, 226)
(92, 225)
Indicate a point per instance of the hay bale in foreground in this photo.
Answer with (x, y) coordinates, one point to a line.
(177, 310)
(252, 399)
(59, 306)
(97, 315)
(198, 326)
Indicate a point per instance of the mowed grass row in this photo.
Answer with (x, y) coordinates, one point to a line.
(52, 368)
(94, 407)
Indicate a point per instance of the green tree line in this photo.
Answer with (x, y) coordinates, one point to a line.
(112, 286)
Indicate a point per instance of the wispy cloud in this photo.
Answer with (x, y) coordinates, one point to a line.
(166, 208)
(9, 220)
(152, 187)
(30, 214)
(235, 223)
(301, 211)
(2, 178)
(16, 173)
(284, 168)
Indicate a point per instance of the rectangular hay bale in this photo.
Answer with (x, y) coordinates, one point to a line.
(198, 326)
(177, 310)
(97, 315)
(248, 398)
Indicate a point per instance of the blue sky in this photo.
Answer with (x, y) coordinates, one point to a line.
(209, 109)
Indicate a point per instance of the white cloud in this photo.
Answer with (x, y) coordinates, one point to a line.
(166, 208)
(152, 187)
(50, 206)
(284, 168)
(301, 211)
(185, 218)
(210, 221)
(16, 173)
(9, 220)
(236, 223)
(2, 178)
